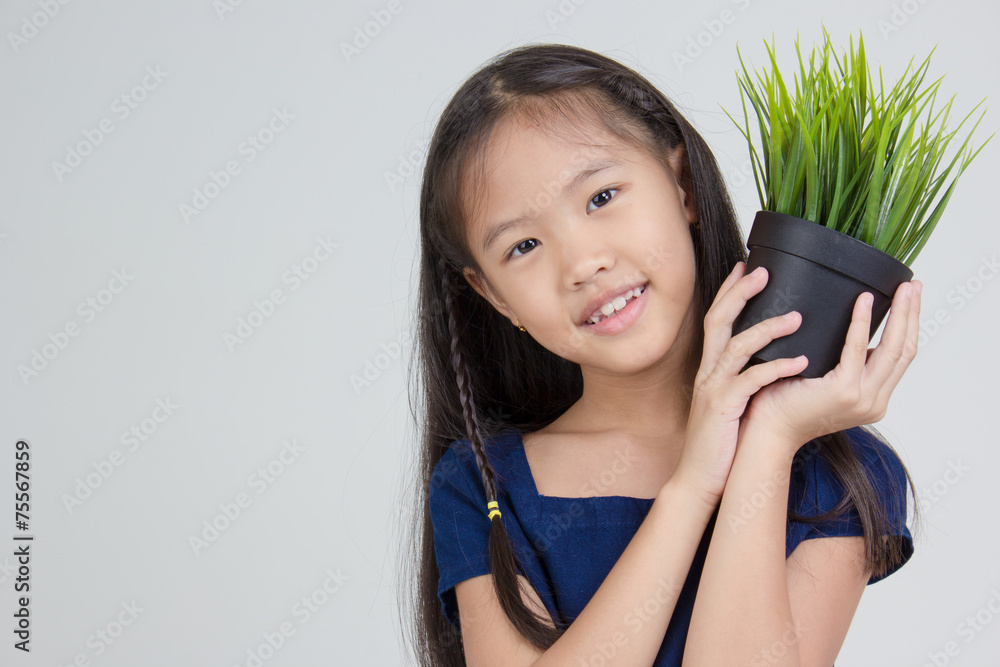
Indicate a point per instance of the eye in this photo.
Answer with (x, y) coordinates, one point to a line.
(598, 200)
(517, 247)
(601, 198)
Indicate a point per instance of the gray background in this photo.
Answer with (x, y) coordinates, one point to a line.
(341, 504)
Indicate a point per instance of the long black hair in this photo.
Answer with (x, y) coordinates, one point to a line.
(479, 375)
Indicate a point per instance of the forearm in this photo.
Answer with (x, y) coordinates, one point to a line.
(633, 606)
(742, 614)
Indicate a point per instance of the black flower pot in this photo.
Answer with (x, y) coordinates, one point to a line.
(819, 272)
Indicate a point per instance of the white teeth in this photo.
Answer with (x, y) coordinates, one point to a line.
(614, 306)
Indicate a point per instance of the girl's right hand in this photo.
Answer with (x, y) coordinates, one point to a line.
(721, 392)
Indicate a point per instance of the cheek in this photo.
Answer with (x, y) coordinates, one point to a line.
(672, 259)
(665, 238)
(528, 297)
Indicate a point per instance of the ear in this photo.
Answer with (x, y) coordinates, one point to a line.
(485, 291)
(682, 177)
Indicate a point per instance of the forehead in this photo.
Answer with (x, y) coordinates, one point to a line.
(537, 142)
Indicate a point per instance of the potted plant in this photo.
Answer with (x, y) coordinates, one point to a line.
(848, 182)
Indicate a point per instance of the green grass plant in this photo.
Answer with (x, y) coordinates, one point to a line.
(839, 153)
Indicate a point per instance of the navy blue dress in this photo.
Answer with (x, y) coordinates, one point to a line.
(569, 545)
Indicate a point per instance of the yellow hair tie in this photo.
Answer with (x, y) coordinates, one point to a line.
(494, 505)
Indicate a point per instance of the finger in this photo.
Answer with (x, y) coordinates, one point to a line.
(855, 352)
(889, 352)
(750, 381)
(910, 346)
(745, 344)
(713, 342)
(719, 319)
(738, 272)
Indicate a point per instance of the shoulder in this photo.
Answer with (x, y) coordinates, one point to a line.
(821, 504)
(459, 515)
(458, 469)
(879, 461)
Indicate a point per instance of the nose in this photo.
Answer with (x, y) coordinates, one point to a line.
(586, 252)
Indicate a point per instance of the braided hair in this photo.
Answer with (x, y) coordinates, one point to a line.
(525, 621)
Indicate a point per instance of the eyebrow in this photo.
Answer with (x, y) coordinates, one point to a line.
(498, 229)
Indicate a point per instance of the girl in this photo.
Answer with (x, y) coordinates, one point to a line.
(598, 487)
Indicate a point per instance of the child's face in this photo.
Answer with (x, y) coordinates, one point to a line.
(624, 226)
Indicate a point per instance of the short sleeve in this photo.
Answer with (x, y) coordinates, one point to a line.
(817, 491)
(461, 527)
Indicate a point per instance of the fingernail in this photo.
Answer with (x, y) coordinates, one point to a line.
(919, 286)
(792, 315)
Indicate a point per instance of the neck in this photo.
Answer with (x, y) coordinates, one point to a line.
(650, 406)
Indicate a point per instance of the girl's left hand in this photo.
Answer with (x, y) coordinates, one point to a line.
(854, 393)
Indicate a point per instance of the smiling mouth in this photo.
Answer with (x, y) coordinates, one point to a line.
(616, 305)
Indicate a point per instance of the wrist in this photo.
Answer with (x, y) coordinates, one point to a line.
(780, 429)
(678, 490)
(761, 441)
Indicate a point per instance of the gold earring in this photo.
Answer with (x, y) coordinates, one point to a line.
(516, 324)
(697, 224)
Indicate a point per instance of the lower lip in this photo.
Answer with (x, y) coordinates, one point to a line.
(623, 320)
